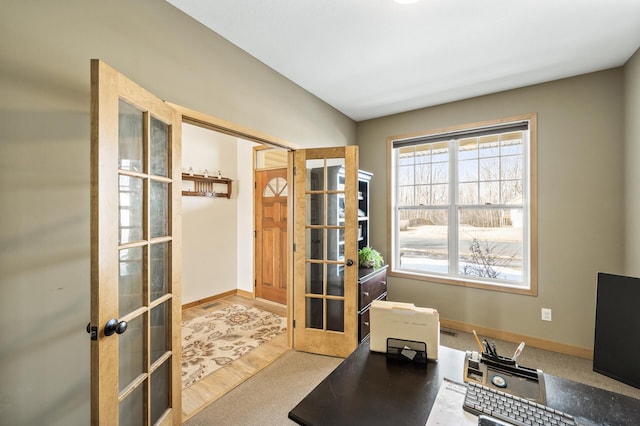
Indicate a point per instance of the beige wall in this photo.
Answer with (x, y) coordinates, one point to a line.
(580, 199)
(632, 168)
(45, 48)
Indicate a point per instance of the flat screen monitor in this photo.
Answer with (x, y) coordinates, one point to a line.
(616, 351)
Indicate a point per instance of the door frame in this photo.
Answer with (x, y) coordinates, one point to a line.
(210, 122)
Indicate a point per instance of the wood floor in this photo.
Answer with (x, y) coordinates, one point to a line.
(197, 396)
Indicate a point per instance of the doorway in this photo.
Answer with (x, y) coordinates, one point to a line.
(271, 219)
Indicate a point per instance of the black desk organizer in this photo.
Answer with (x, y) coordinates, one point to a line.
(506, 375)
(402, 351)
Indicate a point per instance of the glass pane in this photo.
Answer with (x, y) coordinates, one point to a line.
(512, 143)
(423, 154)
(423, 195)
(159, 265)
(492, 244)
(468, 193)
(334, 246)
(270, 158)
(423, 242)
(315, 243)
(131, 409)
(315, 175)
(405, 175)
(334, 209)
(406, 156)
(130, 141)
(489, 146)
(315, 313)
(315, 209)
(335, 279)
(406, 196)
(159, 330)
(512, 192)
(512, 167)
(159, 214)
(489, 192)
(468, 171)
(489, 169)
(130, 218)
(160, 380)
(467, 149)
(439, 194)
(276, 187)
(315, 278)
(130, 280)
(335, 174)
(335, 315)
(131, 350)
(422, 174)
(159, 148)
(440, 172)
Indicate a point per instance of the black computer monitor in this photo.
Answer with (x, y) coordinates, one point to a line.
(616, 349)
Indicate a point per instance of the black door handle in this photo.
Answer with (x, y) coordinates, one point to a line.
(114, 326)
(349, 262)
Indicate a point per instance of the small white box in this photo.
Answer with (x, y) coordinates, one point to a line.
(404, 321)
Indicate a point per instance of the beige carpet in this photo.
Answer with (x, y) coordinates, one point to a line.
(214, 340)
(267, 398)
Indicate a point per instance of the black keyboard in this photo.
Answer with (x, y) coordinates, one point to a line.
(512, 409)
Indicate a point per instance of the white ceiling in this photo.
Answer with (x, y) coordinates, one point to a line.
(371, 58)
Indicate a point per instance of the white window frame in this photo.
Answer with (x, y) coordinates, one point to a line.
(529, 207)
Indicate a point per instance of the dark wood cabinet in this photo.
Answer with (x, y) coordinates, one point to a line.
(372, 285)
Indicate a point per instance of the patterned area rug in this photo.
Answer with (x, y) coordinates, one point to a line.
(212, 341)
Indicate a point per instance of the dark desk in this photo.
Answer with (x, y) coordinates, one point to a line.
(364, 389)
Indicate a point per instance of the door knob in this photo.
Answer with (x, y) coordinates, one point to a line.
(114, 326)
(349, 262)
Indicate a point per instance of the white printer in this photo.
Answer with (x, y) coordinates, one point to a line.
(404, 321)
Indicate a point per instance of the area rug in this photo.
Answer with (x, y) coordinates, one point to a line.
(214, 340)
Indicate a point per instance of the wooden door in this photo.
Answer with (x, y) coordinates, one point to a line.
(271, 234)
(326, 250)
(135, 254)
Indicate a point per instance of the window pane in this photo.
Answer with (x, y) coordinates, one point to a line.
(130, 199)
(422, 174)
(512, 167)
(406, 196)
(423, 154)
(468, 170)
(315, 313)
(491, 245)
(130, 141)
(512, 192)
(489, 192)
(315, 278)
(130, 280)
(159, 211)
(439, 195)
(159, 148)
(405, 175)
(423, 240)
(467, 149)
(405, 156)
(489, 169)
(335, 315)
(468, 193)
(440, 173)
(159, 266)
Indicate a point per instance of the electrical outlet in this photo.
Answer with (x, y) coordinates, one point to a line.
(546, 314)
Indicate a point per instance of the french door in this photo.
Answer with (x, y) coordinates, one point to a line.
(326, 250)
(135, 254)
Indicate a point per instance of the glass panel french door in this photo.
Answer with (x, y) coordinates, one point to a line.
(135, 231)
(325, 257)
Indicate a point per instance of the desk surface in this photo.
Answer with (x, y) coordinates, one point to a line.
(365, 389)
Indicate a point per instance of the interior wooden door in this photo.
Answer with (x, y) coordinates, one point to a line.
(271, 234)
(135, 254)
(326, 251)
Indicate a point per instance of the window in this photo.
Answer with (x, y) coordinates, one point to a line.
(463, 206)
